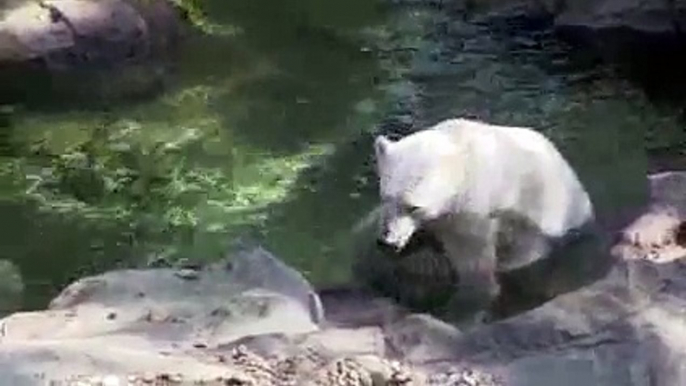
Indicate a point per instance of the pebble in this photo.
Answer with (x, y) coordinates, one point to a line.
(187, 274)
(111, 380)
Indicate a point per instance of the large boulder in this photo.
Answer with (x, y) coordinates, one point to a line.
(643, 16)
(152, 320)
(643, 37)
(114, 47)
(650, 17)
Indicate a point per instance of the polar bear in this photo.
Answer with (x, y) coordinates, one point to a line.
(496, 197)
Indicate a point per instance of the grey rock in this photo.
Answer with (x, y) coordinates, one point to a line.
(160, 321)
(260, 269)
(77, 33)
(649, 17)
(118, 48)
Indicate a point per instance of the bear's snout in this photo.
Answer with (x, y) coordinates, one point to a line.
(385, 246)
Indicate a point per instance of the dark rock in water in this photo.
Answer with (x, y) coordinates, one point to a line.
(421, 239)
(423, 278)
(649, 17)
(653, 59)
(680, 236)
(420, 276)
(645, 38)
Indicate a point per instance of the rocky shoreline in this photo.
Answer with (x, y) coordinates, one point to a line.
(254, 322)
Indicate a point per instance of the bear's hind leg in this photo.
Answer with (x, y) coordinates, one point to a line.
(525, 248)
(473, 257)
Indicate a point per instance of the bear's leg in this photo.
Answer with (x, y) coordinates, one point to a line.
(473, 256)
(525, 246)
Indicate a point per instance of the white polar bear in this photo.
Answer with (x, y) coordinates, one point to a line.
(496, 197)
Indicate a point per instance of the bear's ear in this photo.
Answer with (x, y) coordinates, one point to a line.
(381, 146)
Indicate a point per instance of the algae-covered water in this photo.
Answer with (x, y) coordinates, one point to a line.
(264, 128)
(270, 89)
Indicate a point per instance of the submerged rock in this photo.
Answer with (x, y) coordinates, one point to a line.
(642, 38)
(650, 17)
(126, 40)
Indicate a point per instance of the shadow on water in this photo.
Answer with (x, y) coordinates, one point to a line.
(302, 102)
(52, 251)
(311, 228)
(316, 72)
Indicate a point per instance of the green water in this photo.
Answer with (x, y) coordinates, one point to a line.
(263, 130)
(276, 86)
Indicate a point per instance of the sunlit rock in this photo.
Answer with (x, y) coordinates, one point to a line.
(124, 42)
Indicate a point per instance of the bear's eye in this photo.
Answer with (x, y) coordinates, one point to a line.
(413, 209)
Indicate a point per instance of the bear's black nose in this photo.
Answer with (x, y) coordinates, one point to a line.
(383, 245)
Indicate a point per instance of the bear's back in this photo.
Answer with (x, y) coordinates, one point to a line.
(522, 167)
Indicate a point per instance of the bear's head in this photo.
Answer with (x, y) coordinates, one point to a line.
(416, 181)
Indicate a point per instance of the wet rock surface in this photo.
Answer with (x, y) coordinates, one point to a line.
(647, 17)
(643, 39)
